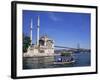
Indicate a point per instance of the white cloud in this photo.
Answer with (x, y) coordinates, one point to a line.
(54, 16)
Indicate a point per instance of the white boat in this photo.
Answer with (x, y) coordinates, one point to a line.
(66, 62)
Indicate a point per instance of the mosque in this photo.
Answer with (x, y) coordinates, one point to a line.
(44, 45)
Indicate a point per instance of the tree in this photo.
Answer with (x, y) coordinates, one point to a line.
(26, 42)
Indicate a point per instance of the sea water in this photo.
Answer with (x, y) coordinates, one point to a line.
(81, 59)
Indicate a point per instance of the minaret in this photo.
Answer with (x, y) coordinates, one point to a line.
(38, 26)
(31, 32)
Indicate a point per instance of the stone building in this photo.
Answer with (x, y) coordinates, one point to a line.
(44, 46)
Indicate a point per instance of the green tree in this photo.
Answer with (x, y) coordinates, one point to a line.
(26, 42)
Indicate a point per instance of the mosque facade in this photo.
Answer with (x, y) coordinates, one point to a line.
(44, 45)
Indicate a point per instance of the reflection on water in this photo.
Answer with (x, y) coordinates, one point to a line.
(81, 59)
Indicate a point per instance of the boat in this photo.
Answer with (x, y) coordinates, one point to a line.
(66, 62)
(65, 58)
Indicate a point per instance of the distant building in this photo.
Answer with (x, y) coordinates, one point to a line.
(43, 47)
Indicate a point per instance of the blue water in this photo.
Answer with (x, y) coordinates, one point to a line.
(81, 59)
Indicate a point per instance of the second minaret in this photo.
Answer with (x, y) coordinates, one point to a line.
(38, 26)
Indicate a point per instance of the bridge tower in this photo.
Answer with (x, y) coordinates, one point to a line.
(78, 46)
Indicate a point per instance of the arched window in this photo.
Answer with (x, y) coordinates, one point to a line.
(41, 42)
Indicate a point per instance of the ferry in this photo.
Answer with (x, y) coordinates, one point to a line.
(66, 58)
(66, 62)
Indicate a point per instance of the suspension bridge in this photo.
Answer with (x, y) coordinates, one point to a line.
(78, 49)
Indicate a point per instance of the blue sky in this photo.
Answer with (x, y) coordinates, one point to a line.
(65, 28)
